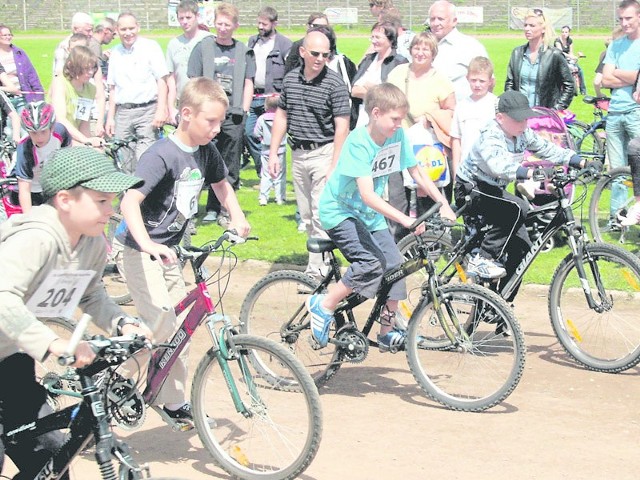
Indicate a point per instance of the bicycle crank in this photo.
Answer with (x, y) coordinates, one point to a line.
(353, 346)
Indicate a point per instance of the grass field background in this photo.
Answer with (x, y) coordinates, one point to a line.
(275, 225)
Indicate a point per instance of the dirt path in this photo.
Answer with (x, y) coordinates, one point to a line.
(562, 422)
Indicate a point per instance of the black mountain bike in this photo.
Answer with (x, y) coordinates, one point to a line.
(594, 294)
(455, 344)
(103, 392)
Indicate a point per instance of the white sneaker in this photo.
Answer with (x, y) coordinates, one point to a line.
(485, 268)
(528, 188)
(633, 216)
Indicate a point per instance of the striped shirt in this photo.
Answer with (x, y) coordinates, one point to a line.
(311, 106)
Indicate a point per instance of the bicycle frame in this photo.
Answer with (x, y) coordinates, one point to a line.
(563, 220)
(202, 310)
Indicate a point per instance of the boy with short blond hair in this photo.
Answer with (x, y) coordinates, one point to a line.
(353, 212)
(473, 112)
(57, 250)
(156, 216)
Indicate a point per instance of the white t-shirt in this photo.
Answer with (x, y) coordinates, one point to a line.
(469, 117)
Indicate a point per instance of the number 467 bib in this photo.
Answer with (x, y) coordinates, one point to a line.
(387, 161)
(60, 293)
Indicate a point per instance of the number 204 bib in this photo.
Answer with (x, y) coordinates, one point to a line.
(60, 293)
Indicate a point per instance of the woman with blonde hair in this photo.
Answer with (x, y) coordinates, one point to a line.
(73, 96)
(432, 100)
(538, 69)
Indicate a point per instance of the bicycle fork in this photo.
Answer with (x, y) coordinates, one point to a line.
(578, 253)
(225, 350)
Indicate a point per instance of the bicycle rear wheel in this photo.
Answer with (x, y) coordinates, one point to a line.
(279, 434)
(611, 198)
(486, 361)
(586, 143)
(274, 308)
(605, 338)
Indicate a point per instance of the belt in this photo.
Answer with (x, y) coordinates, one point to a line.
(306, 145)
(258, 91)
(136, 105)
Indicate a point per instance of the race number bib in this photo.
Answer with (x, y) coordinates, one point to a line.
(83, 109)
(187, 196)
(60, 293)
(387, 161)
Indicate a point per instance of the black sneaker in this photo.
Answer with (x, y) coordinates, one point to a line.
(183, 413)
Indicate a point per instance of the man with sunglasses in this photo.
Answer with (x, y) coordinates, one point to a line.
(455, 49)
(270, 50)
(314, 111)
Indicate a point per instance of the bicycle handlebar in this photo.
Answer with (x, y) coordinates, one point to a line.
(422, 218)
(229, 236)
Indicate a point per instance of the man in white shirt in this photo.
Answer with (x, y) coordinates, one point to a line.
(455, 49)
(179, 50)
(137, 83)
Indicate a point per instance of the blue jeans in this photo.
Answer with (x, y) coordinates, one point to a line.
(253, 144)
(621, 129)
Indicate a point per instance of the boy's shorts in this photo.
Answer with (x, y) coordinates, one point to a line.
(371, 254)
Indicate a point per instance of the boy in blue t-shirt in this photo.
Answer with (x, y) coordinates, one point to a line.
(353, 212)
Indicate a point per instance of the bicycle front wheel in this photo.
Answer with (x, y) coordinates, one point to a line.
(605, 337)
(484, 363)
(263, 426)
(611, 198)
(275, 308)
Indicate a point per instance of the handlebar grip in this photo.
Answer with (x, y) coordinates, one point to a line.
(68, 357)
(434, 208)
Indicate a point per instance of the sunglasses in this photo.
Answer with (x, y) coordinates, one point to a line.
(317, 54)
(538, 12)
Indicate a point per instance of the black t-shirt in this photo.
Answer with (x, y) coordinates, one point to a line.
(173, 177)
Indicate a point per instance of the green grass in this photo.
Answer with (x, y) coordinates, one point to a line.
(275, 225)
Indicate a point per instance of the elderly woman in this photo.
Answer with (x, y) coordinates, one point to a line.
(375, 67)
(432, 101)
(73, 95)
(539, 70)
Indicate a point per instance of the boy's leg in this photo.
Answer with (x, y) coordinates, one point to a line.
(155, 289)
(363, 274)
(24, 402)
(505, 212)
(266, 182)
(280, 182)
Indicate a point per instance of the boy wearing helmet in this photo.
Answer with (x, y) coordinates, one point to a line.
(46, 136)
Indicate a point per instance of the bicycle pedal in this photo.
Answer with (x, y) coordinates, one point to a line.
(176, 425)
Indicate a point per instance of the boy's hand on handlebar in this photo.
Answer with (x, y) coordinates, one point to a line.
(447, 212)
(408, 221)
(594, 165)
(242, 228)
(161, 253)
(84, 354)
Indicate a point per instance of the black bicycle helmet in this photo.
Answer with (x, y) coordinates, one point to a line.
(38, 116)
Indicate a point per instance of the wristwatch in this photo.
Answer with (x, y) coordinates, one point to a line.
(126, 321)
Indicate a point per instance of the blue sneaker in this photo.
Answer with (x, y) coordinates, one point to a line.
(321, 320)
(393, 341)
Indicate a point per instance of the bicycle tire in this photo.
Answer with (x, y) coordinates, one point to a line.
(114, 281)
(479, 372)
(604, 212)
(607, 341)
(274, 300)
(280, 436)
(587, 144)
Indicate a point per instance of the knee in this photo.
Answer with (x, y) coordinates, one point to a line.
(633, 150)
